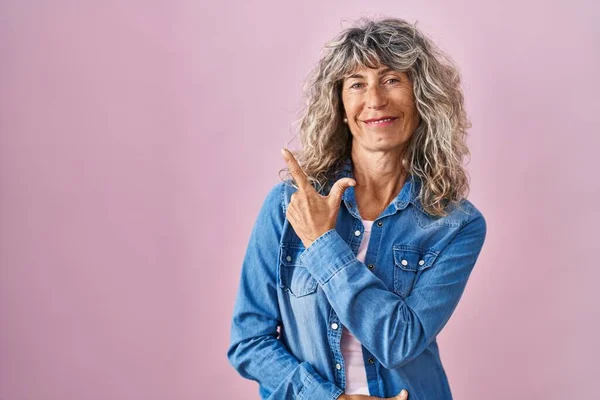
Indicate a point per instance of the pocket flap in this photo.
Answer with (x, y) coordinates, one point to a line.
(413, 258)
(293, 276)
(290, 254)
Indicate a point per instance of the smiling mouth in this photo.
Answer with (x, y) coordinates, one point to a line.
(381, 121)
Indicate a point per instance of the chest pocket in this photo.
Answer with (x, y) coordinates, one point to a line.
(409, 261)
(293, 276)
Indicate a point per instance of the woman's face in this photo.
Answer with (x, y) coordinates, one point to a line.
(379, 105)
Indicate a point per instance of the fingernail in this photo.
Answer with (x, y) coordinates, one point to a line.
(403, 392)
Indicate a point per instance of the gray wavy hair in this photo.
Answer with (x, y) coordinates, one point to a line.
(436, 149)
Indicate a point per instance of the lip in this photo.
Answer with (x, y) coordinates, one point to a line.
(371, 122)
(366, 121)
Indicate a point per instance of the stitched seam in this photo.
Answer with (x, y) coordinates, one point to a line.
(339, 269)
(322, 237)
(307, 379)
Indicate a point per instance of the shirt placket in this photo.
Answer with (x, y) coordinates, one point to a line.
(371, 364)
(335, 327)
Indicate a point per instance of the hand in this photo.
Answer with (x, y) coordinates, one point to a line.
(403, 395)
(311, 214)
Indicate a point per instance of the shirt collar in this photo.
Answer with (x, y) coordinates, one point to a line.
(408, 194)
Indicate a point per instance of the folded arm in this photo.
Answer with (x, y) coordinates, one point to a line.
(393, 329)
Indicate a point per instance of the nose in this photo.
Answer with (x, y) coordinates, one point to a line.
(376, 99)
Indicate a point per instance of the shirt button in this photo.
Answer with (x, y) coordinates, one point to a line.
(370, 266)
(421, 262)
(404, 262)
(334, 326)
(338, 366)
(289, 258)
(356, 233)
(371, 361)
(380, 223)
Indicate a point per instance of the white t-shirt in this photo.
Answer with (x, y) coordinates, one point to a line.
(356, 375)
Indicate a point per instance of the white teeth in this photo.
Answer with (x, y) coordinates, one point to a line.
(380, 121)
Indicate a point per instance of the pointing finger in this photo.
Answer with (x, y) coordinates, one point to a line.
(297, 172)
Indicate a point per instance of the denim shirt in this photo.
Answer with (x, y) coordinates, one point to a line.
(293, 301)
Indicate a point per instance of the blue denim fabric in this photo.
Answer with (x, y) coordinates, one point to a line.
(292, 302)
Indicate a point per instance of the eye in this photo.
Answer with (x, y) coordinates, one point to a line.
(354, 85)
(393, 80)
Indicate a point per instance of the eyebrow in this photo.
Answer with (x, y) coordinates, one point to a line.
(381, 72)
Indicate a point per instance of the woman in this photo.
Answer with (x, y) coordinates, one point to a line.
(361, 260)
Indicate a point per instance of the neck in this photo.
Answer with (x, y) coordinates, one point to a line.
(379, 178)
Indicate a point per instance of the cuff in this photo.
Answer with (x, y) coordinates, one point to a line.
(315, 387)
(328, 254)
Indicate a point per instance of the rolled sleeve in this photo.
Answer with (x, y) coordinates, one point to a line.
(326, 256)
(315, 387)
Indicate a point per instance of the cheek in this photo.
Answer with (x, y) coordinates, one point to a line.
(412, 108)
(409, 106)
(349, 107)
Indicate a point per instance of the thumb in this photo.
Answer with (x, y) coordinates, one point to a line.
(339, 188)
(403, 395)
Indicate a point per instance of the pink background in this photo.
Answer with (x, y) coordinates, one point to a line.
(139, 139)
